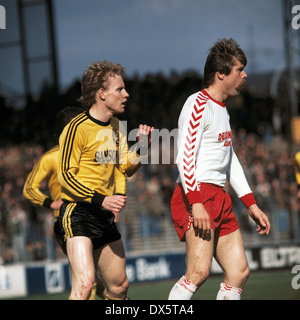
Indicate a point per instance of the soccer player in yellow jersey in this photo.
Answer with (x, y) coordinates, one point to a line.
(297, 172)
(46, 170)
(92, 147)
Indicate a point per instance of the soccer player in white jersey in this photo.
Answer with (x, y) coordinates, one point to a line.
(201, 208)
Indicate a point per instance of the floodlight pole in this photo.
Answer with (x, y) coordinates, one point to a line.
(290, 54)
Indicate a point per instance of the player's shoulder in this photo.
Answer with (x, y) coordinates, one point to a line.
(115, 122)
(297, 156)
(199, 98)
(117, 125)
(192, 97)
(51, 152)
(81, 117)
(77, 122)
(49, 158)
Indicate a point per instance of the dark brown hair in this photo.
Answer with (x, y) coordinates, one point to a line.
(95, 77)
(221, 59)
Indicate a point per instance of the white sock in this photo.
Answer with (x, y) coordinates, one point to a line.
(227, 292)
(182, 290)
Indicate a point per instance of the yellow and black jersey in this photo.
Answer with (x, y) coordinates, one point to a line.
(297, 168)
(120, 182)
(90, 152)
(44, 169)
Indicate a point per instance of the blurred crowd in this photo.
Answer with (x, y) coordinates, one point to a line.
(270, 170)
(26, 230)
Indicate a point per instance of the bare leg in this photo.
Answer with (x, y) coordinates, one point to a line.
(230, 254)
(112, 269)
(199, 256)
(80, 255)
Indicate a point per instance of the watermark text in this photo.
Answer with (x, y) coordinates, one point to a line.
(296, 19)
(296, 278)
(113, 146)
(2, 17)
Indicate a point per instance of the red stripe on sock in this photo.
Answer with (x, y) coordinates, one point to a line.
(185, 287)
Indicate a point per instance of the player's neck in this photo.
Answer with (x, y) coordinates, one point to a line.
(101, 113)
(217, 93)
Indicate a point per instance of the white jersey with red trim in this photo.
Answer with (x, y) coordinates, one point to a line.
(205, 152)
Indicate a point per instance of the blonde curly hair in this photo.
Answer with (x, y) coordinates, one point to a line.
(96, 77)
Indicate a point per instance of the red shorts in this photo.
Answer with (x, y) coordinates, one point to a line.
(217, 203)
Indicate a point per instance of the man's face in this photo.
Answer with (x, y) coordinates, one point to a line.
(236, 80)
(115, 94)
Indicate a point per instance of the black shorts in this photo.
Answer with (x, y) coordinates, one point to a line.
(84, 219)
(59, 237)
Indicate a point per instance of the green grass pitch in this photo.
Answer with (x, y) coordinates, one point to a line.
(267, 285)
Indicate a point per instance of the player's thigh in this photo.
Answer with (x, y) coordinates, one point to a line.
(199, 253)
(80, 256)
(230, 254)
(111, 263)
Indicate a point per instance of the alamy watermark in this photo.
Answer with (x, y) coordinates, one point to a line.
(163, 148)
(296, 278)
(2, 17)
(296, 19)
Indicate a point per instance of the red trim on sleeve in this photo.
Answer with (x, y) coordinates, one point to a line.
(194, 197)
(248, 200)
(189, 156)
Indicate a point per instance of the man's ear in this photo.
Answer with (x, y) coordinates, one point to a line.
(220, 76)
(101, 94)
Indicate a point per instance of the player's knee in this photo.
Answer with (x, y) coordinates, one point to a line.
(238, 276)
(245, 274)
(199, 276)
(242, 274)
(119, 290)
(86, 288)
(122, 288)
(81, 291)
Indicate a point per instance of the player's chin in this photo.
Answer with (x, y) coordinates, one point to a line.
(240, 87)
(120, 110)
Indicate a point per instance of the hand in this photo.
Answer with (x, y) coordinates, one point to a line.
(201, 220)
(55, 205)
(144, 135)
(114, 204)
(261, 219)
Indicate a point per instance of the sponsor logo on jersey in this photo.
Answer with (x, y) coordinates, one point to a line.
(226, 137)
